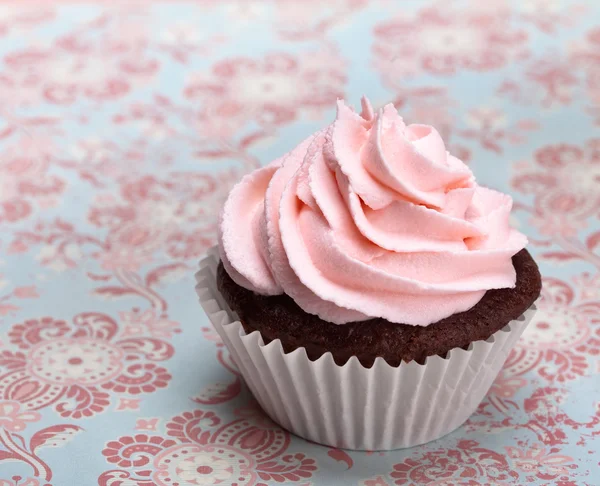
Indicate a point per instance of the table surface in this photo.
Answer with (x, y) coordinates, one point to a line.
(122, 127)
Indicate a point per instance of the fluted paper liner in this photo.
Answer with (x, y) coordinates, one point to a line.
(350, 406)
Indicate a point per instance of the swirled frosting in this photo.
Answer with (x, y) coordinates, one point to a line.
(370, 217)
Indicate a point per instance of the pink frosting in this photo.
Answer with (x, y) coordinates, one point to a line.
(370, 218)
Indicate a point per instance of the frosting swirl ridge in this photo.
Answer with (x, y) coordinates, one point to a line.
(370, 217)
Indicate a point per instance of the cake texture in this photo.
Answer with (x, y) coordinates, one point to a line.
(279, 317)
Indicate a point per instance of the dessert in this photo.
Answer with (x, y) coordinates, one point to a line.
(369, 252)
(279, 317)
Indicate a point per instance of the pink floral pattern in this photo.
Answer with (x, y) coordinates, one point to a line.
(584, 54)
(123, 125)
(7, 303)
(201, 449)
(442, 42)
(25, 181)
(270, 91)
(13, 419)
(538, 462)
(468, 460)
(565, 180)
(65, 72)
(72, 367)
(564, 341)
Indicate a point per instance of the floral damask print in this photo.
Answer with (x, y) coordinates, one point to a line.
(174, 215)
(501, 395)
(100, 163)
(183, 41)
(177, 214)
(269, 91)
(550, 80)
(548, 420)
(139, 322)
(14, 419)
(8, 303)
(446, 466)
(491, 127)
(541, 414)
(376, 481)
(470, 464)
(555, 78)
(550, 15)
(585, 56)
(78, 368)
(19, 19)
(122, 127)
(189, 125)
(565, 182)
(562, 338)
(25, 179)
(312, 19)
(101, 60)
(291, 20)
(221, 392)
(539, 462)
(444, 41)
(19, 481)
(202, 448)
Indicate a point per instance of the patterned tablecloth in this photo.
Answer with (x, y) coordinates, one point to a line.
(122, 127)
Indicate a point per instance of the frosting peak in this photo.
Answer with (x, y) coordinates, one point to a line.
(370, 217)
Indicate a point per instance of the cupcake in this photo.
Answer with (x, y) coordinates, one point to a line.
(367, 287)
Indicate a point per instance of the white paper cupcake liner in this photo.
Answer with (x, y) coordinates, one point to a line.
(350, 406)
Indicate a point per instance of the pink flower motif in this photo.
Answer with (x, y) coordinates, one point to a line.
(450, 466)
(210, 464)
(24, 18)
(589, 285)
(507, 386)
(13, 419)
(270, 91)
(538, 461)
(490, 126)
(73, 366)
(24, 178)
(550, 15)
(17, 481)
(486, 118)
(203, 449)
(139, 323)
(149, 424)
(128, 257)
(98, 160)
(585, 55)
(565, 181)
(28, 292)
(563, 334)
(128, 404)
(444, 41)
(102, 63)
(311, 18)
(176, 213)
(210, 334)
(377, 481)
(7, 309)
(553, 78)
(17, 247)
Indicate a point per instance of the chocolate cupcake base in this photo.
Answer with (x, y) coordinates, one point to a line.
(380, 407)
(279, 317)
